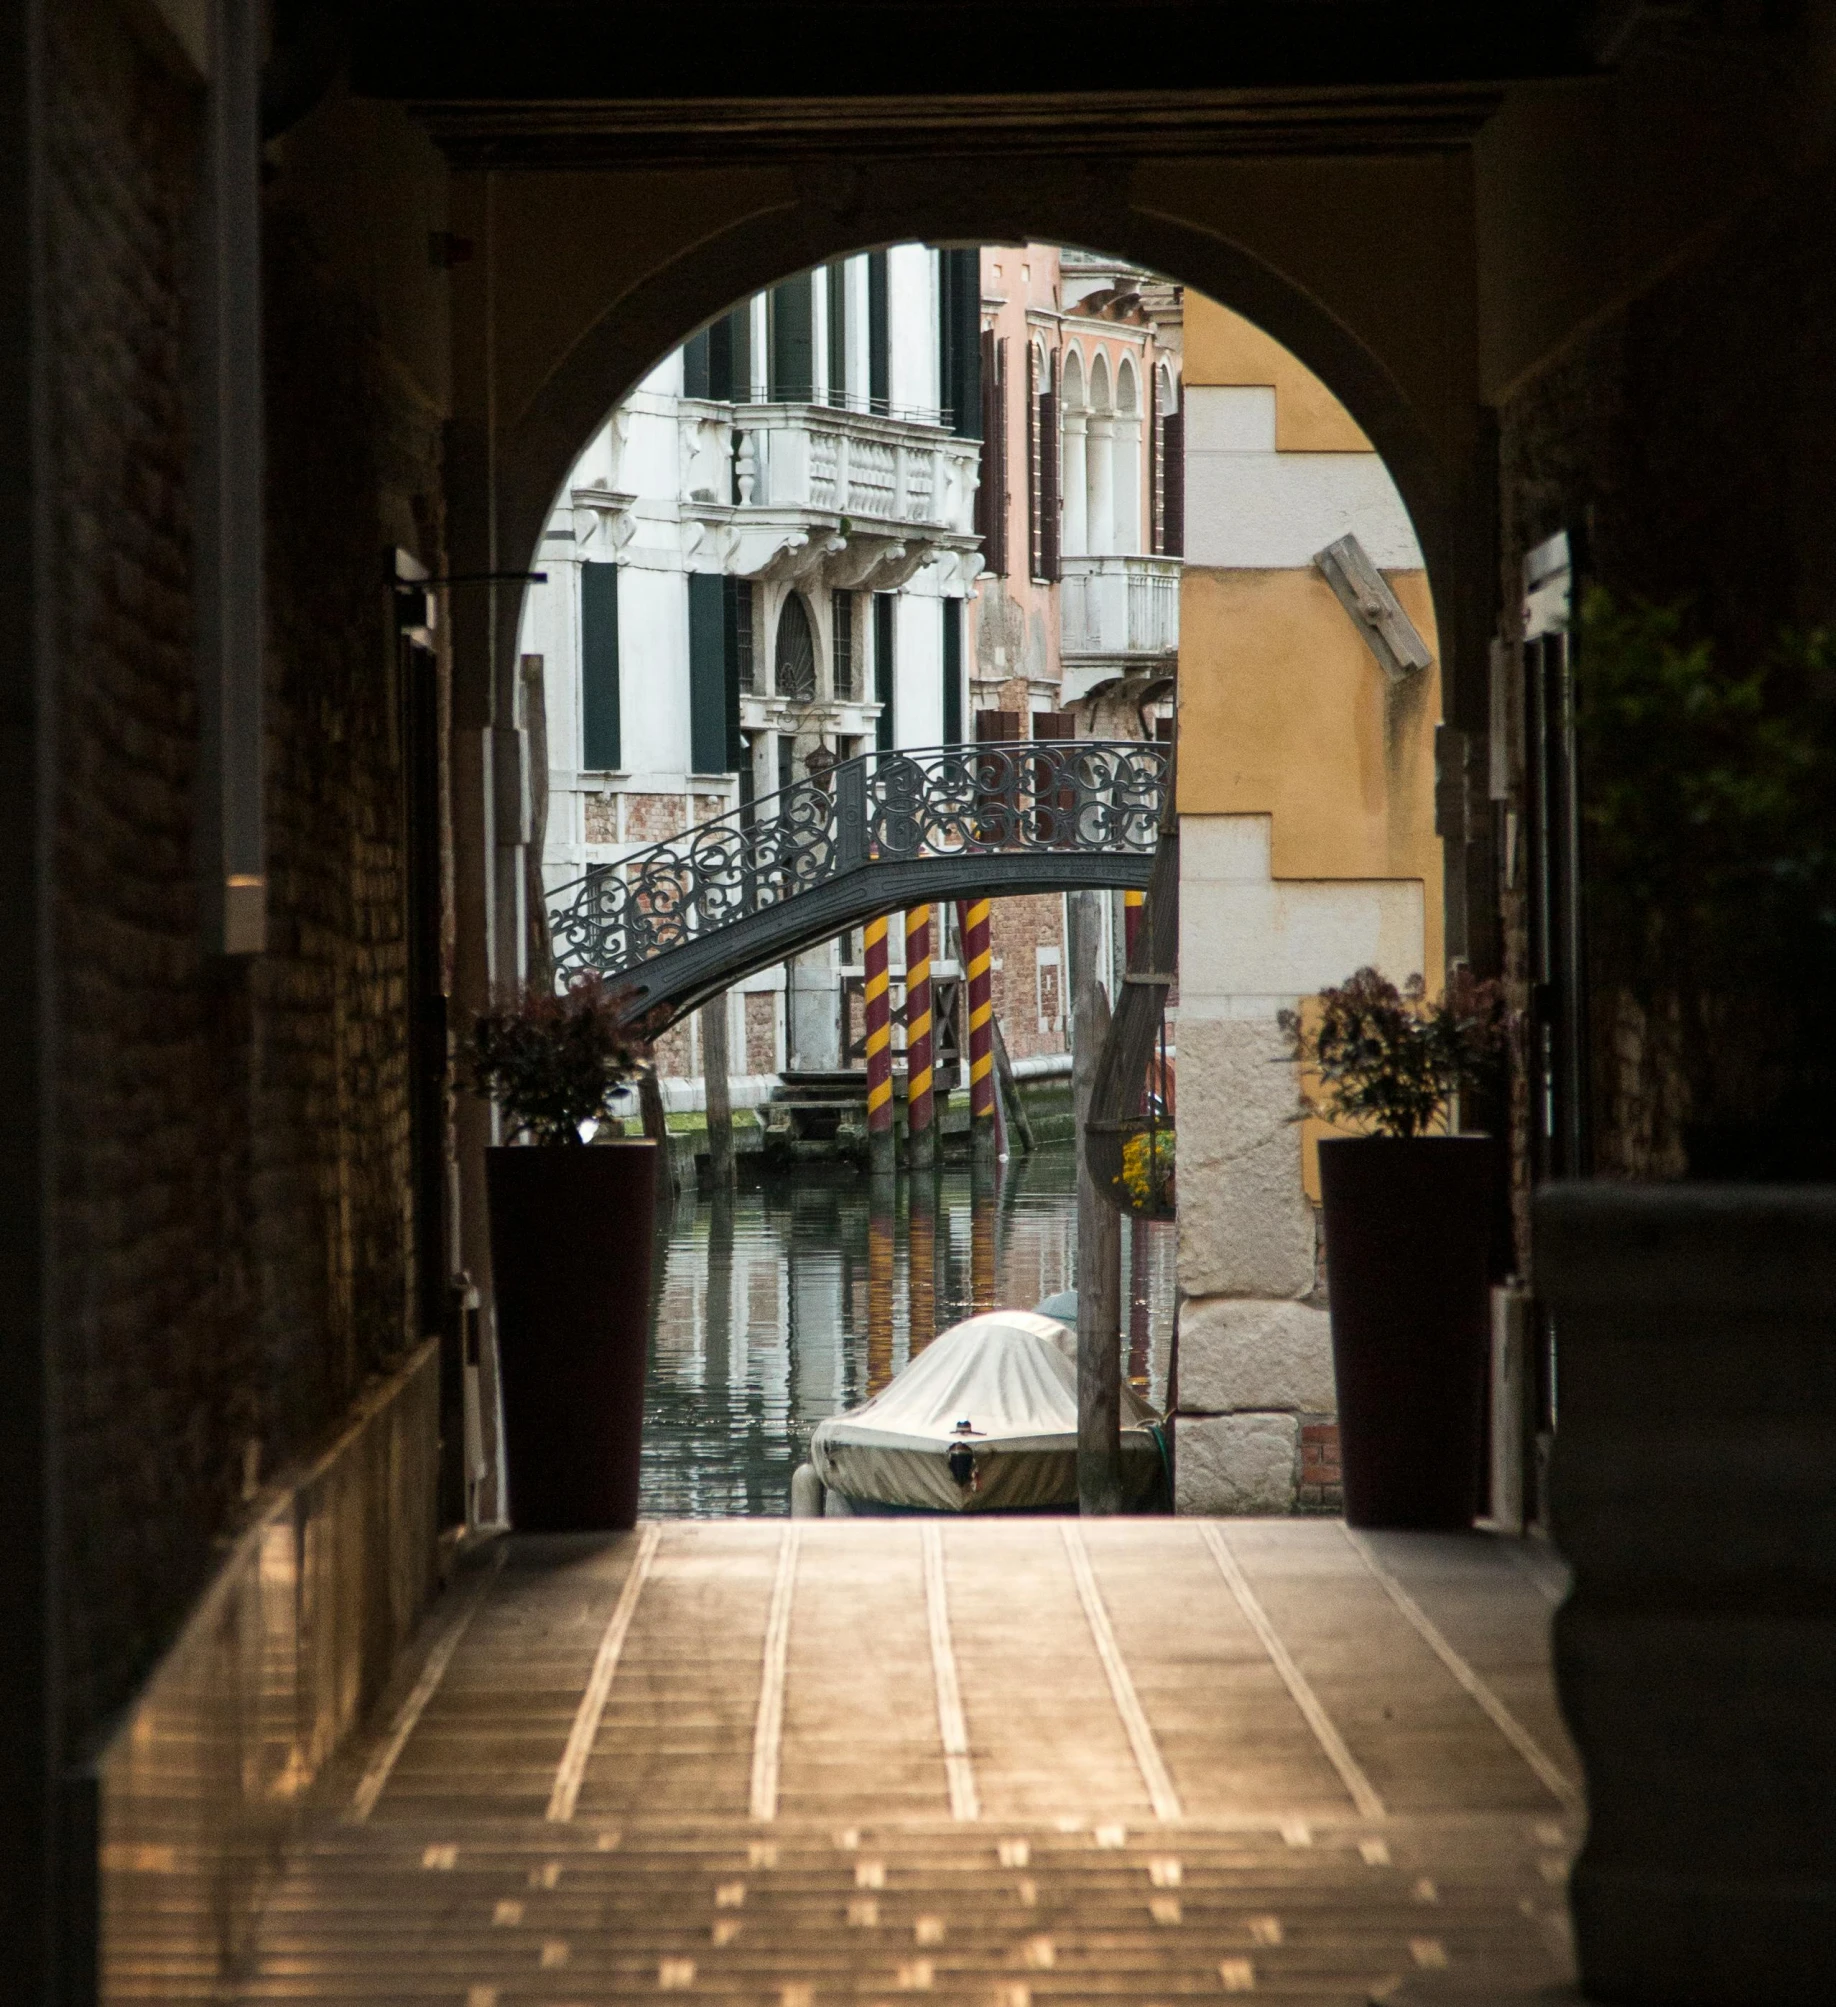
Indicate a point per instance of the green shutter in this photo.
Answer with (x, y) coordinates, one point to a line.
(959, 344)
(695, 366)
(792, 364)
(599, 710)
(707, 639)
(730, 357)
(838, 333)
(952, 672)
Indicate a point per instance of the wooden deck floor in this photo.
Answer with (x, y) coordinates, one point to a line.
(1011, 1763)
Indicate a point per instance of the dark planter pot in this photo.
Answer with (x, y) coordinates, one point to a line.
(571, 1237)
(1695, 1657)
(1408, 1236)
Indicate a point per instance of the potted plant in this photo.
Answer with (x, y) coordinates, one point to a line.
(1409, 1216)
(570, 1255)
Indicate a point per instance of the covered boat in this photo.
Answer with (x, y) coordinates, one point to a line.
(983, 1420)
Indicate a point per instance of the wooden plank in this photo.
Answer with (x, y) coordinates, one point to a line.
(1363, 1792)
(381, 1766)
(768, 1728)
(1547, 1772)
(572, 1770)
(1161, 1794)
(952, 1727)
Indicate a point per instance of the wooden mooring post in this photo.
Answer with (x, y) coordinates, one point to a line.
(1099, 1240)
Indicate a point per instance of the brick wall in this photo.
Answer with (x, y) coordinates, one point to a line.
(232, 1238)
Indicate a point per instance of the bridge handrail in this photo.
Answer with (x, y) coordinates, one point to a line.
(1030, 795)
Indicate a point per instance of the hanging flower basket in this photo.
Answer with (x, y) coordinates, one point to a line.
(1146, 1185)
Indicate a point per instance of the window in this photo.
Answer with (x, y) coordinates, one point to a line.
(599, 706)
(1172, 476)
(841, 652)
(794, 661)
(991, 488)
(792, 359)
(883, 617)
(738, 610)
(836, 278)
(952, 671)
(959, 343)
(879, 335)
(1047, 447)
(717, 362)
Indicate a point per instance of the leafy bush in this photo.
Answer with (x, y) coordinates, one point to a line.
(1391, 1059)
(1709, 795)
(551, 1061)
(1708, 805)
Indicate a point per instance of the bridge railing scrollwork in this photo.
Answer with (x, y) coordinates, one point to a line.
(1050, 798)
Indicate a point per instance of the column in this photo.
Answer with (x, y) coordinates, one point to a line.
(978, 964)
(1075, 486)
(920, 1106)
(879, 1052)
(1101, 527)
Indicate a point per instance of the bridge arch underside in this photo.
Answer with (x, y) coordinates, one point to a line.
(596, 275)
(671, 984)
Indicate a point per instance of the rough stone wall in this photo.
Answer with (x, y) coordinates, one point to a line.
(232, 1233)
(1690, 440)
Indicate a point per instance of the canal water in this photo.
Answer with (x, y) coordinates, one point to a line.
(798, 1296)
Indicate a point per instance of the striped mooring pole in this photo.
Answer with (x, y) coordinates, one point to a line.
(1132, 903)
(920, 1107)
(978, 965)
(879, 1052)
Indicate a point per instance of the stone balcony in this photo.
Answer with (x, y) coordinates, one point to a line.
(847, 500)
(1117, 615)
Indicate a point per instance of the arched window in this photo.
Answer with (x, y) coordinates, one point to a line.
(1099, 382)
(1100, 465)
(1125, 388)
(794, 660)
(1074, 381)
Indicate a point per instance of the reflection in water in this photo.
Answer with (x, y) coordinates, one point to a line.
(797, 1298)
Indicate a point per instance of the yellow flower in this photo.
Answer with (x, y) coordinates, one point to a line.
(1147, 1166)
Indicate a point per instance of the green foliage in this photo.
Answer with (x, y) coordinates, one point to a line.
(552, 1061)
(1391, 1059)
(1708, 799)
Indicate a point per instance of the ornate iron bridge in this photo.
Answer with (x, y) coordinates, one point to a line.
(685, 919)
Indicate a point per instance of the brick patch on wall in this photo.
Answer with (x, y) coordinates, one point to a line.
(1319, 1489)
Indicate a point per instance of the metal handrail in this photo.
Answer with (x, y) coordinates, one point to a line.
(1036, 797)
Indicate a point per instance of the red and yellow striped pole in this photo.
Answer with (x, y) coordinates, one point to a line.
(920, 1107)
(879, 1052)
(978, 966)
(1132, 903)
(881, 1250)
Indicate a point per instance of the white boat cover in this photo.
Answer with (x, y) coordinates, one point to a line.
(1011, 1375)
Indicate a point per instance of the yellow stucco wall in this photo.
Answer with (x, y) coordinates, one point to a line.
(1222, 347)
(1283, 710)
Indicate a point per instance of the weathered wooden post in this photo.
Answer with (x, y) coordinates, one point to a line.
(715, 1071)
(878, 1001)
(1099, 1239)
(920, 1104)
